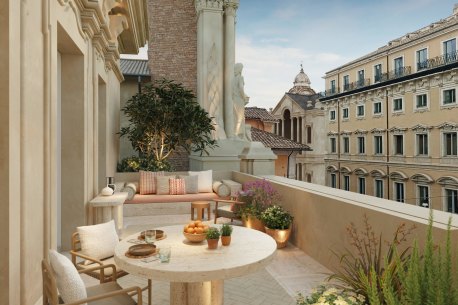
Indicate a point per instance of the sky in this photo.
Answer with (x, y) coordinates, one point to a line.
(273, 37)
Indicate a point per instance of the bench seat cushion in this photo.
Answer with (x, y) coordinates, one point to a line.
(172, 198)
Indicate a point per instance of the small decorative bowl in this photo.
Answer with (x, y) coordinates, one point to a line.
(195, 238)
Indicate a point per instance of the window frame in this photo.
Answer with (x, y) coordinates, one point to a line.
(346, 82)
(417, 58)
(358, 145)
(443, 42)
(376, 180)
(445, 199)
(364, 185)
(394, 65)
(346, 145)
(360, 106)
(417, 143)
(395, 191)
(347, 111)
(418, 199)
(443, 95)
(375, 72)
(308, 129)
(332, 115)
(333, 180)
(416, 96)
(444, 143)
(373, 108)
(395, 148)
(333, 86)
(394, 105)
(346, 183)
(333, 145)
(375, 145)
(360, 82)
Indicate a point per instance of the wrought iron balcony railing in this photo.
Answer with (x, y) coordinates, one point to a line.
(396, 73)
(358, 84)
(329, 92)
(438, 61)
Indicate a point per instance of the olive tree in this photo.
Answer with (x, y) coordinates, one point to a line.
(163, 117)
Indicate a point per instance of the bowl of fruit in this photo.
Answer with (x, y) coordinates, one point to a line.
(195, 231)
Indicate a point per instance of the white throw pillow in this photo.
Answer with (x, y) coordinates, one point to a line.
(205, 180)
(98, 241)
(69, 283)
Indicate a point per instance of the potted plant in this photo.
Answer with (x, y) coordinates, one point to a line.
(226, 231)
(212, 238)
(278, 224)
(258, 196)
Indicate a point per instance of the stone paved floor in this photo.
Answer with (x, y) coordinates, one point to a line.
(292, 271)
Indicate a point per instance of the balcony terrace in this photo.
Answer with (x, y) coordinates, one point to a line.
(321, 215)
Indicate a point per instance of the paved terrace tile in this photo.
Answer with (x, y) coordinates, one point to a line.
(292, 271)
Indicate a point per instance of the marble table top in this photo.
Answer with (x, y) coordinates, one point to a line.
(249, 251)
(117, 198)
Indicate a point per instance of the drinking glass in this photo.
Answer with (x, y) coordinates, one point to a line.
(150, 236)
(164, 254)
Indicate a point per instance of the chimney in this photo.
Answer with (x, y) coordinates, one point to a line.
(455, 9)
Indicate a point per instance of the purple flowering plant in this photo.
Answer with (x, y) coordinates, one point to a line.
(258, 196)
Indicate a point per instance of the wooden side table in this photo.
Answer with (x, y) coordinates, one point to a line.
(107, 208)
(200, 206)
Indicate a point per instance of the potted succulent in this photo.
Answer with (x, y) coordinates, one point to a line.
(258, 196)
(212, 238)
(278, 224)
(226, 231)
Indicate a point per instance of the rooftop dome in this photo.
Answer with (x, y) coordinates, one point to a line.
(302, 84)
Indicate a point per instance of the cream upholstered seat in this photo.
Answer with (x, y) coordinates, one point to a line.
(109, 293)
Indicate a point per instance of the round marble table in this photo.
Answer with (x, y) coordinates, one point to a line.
(196, 274)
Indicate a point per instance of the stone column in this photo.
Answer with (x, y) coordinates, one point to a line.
(230, 8)
(282, 127)
(210, 61)
(291, 125)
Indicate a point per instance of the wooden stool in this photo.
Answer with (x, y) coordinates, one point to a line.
(200, 206)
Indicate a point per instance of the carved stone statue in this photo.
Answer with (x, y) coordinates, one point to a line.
(240, 99)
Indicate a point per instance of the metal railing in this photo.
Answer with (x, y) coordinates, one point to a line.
(438, 61)
(358, 84)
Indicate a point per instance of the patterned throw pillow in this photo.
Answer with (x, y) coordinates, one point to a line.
(177, 186)
(148, 182)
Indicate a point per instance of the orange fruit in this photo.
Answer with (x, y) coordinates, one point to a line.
(200, 225)
(190, 230)
(185, 228)
(199, 230)
(205, 228)
(191, 225)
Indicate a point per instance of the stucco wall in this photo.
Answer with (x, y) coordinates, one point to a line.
(321, 215)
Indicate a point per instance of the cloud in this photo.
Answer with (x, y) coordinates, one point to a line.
(142, 54)
(269, 70)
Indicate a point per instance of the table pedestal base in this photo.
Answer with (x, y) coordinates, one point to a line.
(199, 293)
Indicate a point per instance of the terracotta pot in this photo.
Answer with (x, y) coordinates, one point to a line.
(281, 236)
(226, 240)
(253, 222)
(212, 243)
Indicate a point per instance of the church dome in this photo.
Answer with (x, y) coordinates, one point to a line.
(302, 84)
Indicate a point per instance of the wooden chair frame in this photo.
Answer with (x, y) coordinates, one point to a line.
(51, 296)
(217, 201)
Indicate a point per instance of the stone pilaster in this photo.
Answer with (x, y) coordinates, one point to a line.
(210, 44)
(230, 8)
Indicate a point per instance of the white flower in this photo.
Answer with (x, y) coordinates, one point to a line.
(340, 302)
(321, 299)
(352, 299)
(361, 298)
(330, 291)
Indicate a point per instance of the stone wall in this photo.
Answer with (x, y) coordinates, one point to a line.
(172, 48)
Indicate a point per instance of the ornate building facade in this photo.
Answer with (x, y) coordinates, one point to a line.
(391, 120)
(301, 119)
(59, 116)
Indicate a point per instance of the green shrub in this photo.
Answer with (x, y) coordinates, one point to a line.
(323, 295)
(135, 164)
(213, 233)
(277, 218)
(226, 230)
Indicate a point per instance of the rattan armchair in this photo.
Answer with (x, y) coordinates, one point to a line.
(227, 211)
(108, 293)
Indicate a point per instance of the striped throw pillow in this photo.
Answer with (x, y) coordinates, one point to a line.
(177, 186)
(148, 182)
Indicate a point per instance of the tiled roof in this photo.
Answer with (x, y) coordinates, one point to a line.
(276, 142)
(134, 67)
(259, 113)
(303, 100)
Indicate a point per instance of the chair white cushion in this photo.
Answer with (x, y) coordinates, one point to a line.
(69, 283)
(205, 180)
(98, 241)
(221, 189)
